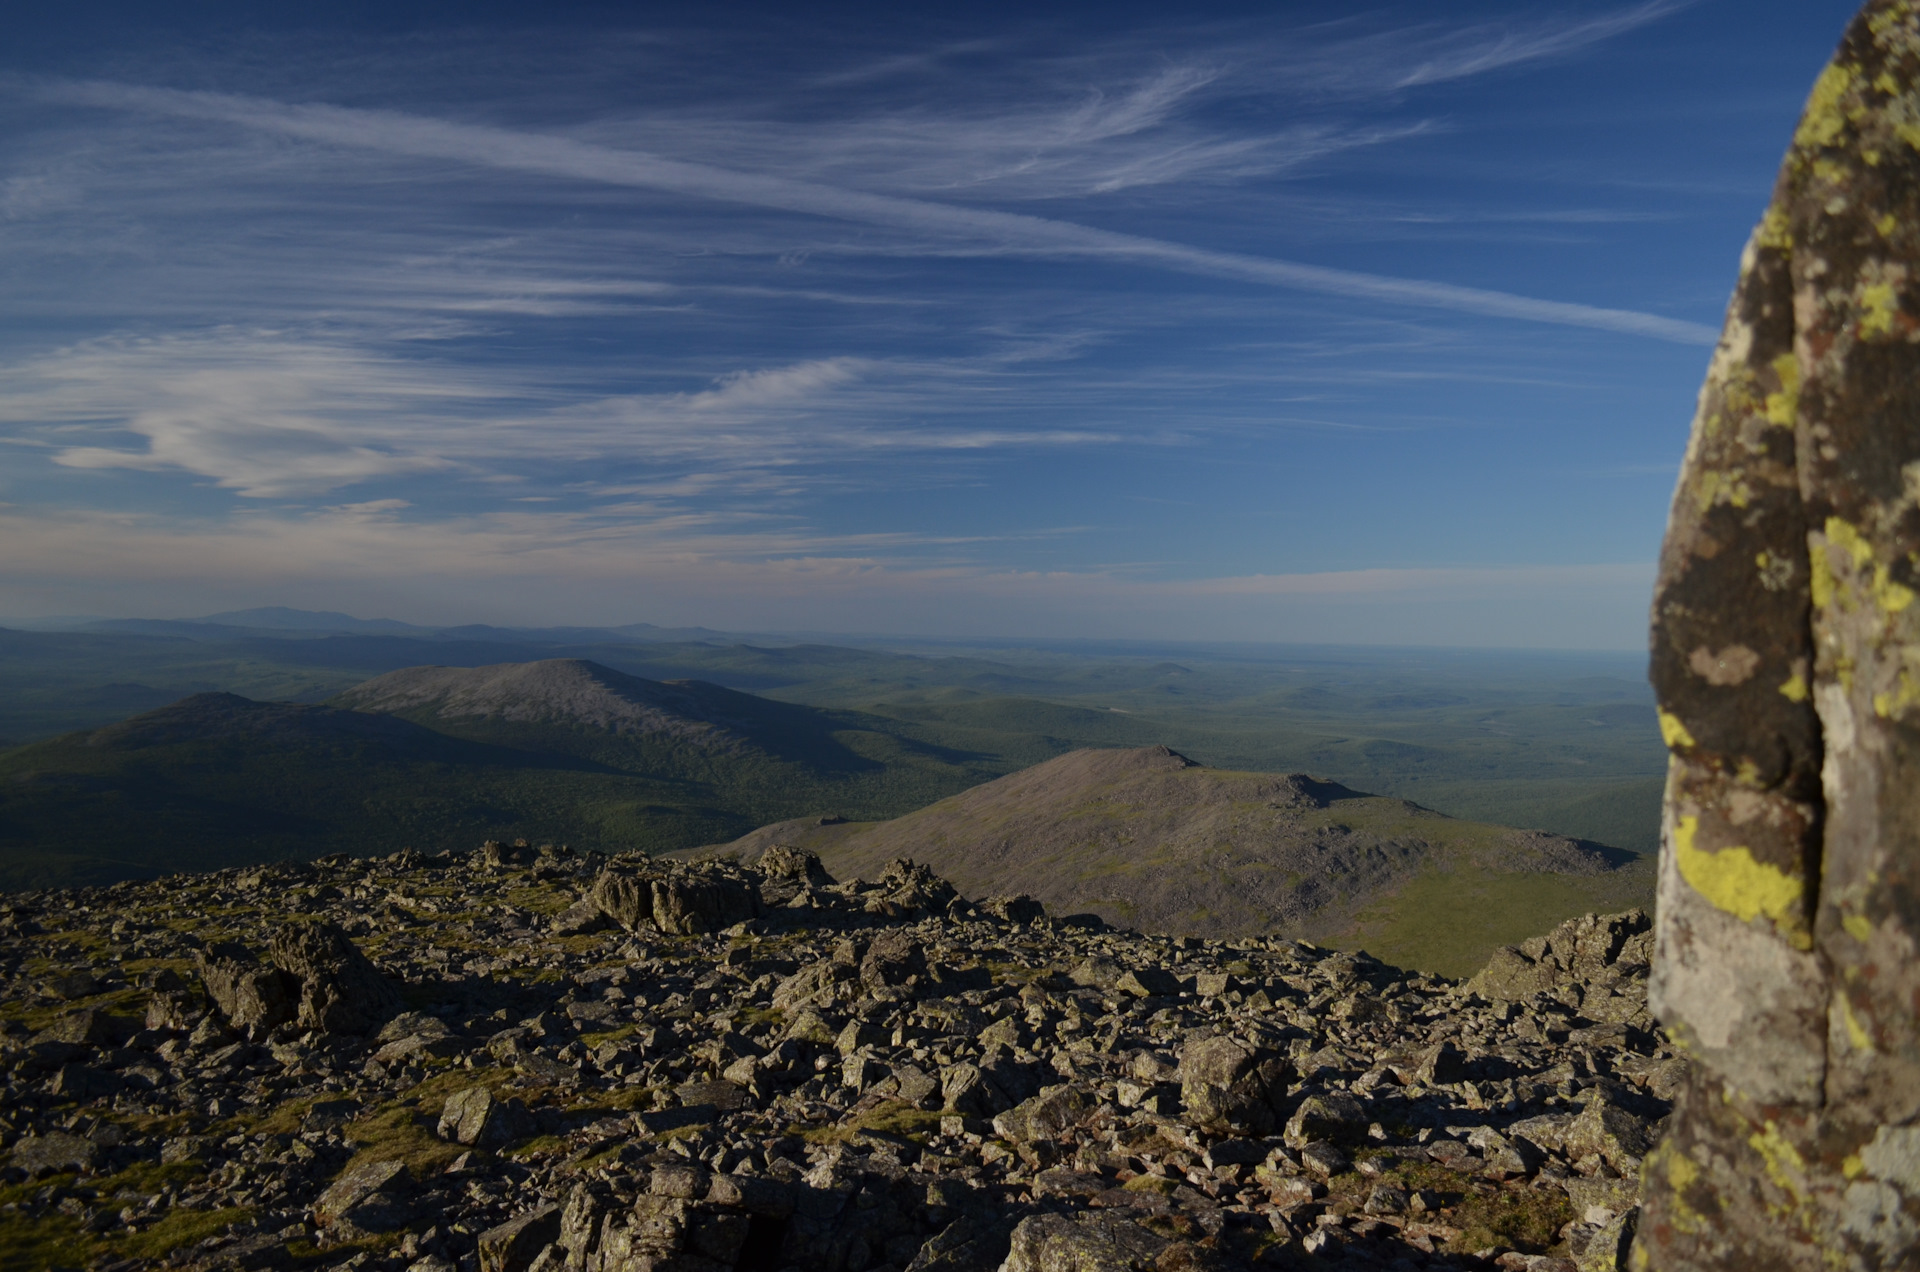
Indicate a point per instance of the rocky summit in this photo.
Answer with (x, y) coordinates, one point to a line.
(522, 1059)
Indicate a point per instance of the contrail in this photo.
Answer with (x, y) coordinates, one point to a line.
(391, 132)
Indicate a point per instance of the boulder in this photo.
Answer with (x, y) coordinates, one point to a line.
(1149, 982)
(1020, 909)
(1090, 1240)
(475, 1118)
(515, 1244)
(793, 865)
(893, 959)
(369, 1198)
(689, 906)
(340, 991)
(1044, 1116)
(912, 886)
(251, 997)
(965, 1089)
(1229, 1084)
(1332, 1117)
(53, 1152)
(622, 897)
(1619, 1137)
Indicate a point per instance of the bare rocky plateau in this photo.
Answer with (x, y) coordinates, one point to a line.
(524, 1059)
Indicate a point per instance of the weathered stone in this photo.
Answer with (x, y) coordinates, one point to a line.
(1149, 982)
(1228, 1083)
(687, 906)
(513, 1245)
(1784, 653)
(893, 958)
(965, 1089)
(340, 991)
(1333, 1116)
(1613, 1133)
(251, 997)
(53, 1152)
(782, 861)
(475, 1118)
(583, 917)
(1045, 1115)
(369, 1198)
(625, 899)
(1093, 1241)
(1020, 909)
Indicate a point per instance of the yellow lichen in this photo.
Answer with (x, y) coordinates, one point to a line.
(1733, 882)
(1795, 690)
(1890, 596)
(1819, 578)
(1774, 231)
(1824, 121)
(1673, 732)
(1856, 1033)
(1852, 1167)
(1906, 694)
(1878, 309)
(1785, 1166)
(1858, 926)
(1887, 224)
(1782, 405)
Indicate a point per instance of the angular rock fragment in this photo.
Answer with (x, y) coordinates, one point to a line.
(250, 996)
(475, 1118)
(1230, 1084)
(372, 1197)
(340, 991)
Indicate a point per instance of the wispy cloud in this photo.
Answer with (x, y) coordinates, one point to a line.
(395, 133)
(285, 414)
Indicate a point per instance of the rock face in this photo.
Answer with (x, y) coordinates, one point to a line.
(1786, 656)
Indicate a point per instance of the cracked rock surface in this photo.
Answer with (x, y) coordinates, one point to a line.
(519, 1059)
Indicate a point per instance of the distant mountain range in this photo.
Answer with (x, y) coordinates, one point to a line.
(280, 621)
(1146, 838)
(564, 750)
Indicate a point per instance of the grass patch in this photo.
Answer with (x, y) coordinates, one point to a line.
(1419, 927)
(1527, 1220)
(893, 1117)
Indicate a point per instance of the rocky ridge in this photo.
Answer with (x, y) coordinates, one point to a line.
(521, 1059)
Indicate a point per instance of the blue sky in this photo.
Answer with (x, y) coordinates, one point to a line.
(1280, 322)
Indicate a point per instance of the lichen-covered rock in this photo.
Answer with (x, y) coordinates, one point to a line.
(340, 991)
(1786, 660)
(1229, 1084)
(1045, 1115)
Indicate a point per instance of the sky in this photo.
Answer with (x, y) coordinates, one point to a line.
(1280, 322)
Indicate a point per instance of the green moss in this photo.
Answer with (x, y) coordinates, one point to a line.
(1527, 1220)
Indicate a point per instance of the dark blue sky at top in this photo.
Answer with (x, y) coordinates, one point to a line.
(1003, 320)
